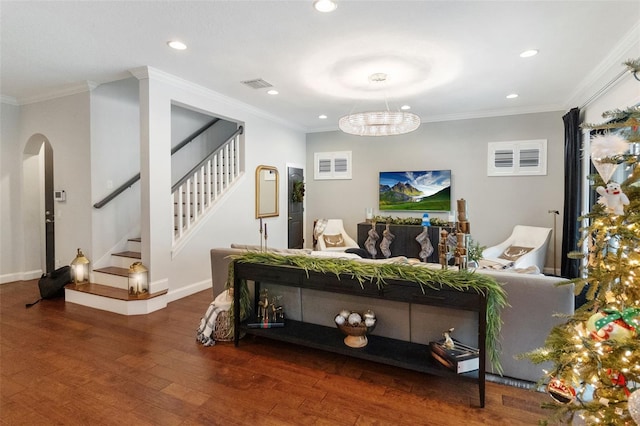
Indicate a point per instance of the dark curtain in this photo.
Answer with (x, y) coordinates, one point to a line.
(570, 268)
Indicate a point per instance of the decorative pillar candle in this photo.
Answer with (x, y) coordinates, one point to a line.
(463, 223)
(462, 210)
(368, 213)
(260, 234)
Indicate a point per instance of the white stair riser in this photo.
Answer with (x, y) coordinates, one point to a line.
(123, 307)
(123, 262)
(134, 246)
(110, 280)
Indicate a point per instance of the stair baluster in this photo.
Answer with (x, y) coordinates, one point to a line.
(207, 182)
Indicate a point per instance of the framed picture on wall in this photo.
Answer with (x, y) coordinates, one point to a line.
(426, 190)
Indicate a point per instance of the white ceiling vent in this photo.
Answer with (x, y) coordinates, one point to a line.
(517, 158)
(257, 83)
(332, 165)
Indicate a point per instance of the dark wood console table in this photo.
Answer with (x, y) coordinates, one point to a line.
(404, 243)
(384, 350)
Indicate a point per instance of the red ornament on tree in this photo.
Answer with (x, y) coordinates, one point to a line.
(618, 379)
(560, 391)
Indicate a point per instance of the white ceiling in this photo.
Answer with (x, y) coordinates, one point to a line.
(447, 59)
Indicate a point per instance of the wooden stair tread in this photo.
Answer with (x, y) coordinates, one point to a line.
(132, 254)
(111, 292)
(114, 270)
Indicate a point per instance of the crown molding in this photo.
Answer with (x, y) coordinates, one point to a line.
(493, 113)
(608, 72)
(147, 72)
(9, 100)
(323, 129)
(471, 115)
(59, 92)
(140, 73)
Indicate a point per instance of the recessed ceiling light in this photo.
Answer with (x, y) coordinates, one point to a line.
(178, 45)
(529, 53)
(322, 117)
(405, 107)
(272, 92)
(512, 96)
(325, 5)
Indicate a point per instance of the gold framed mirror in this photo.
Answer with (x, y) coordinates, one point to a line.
(266, 191)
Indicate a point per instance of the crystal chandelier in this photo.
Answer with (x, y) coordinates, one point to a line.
(379, 123)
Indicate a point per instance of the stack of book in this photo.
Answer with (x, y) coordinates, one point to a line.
(265, 322)
(461, 358)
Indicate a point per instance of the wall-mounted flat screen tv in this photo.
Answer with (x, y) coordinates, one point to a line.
(428, 190)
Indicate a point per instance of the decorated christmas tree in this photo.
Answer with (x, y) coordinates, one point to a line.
(595, 378)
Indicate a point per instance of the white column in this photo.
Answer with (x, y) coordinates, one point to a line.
(156, 221)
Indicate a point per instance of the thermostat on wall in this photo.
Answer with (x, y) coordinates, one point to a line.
(59, 195)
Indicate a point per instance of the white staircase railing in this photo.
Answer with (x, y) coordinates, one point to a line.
(199, 189)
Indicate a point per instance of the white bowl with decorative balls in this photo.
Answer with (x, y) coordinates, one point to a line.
(356, 326)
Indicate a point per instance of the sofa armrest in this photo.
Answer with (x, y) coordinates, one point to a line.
(527, 321)
(220, 261)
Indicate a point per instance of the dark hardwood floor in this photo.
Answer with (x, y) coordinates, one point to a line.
(62, 363)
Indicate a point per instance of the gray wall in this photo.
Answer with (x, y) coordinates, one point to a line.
(495, 204)
(65, 123)
(183, 123)
(115, 158)
(12, 267)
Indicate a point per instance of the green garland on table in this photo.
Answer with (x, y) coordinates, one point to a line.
(408, 221)
(379, 272)
(245, 298)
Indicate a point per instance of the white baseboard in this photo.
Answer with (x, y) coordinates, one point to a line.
(189, 290)
(20, 276)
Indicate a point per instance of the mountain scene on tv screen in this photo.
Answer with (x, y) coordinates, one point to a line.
(424, 190)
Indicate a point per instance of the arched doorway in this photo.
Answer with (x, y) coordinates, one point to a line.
(38, 202)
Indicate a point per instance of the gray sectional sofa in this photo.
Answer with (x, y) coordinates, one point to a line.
(533, 301)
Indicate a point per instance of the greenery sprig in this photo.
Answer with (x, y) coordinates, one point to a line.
(408, 220)
(377, 273)
(297, 193)
(633, 65)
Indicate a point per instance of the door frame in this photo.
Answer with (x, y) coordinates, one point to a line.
(37, 196)
(304, 201)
